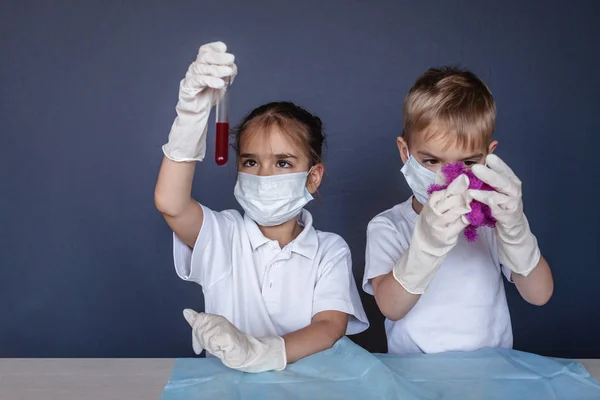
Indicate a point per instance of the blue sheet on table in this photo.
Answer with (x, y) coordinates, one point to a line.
(347, 371)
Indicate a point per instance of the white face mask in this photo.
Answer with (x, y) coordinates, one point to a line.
(274, 199)
(418, 178)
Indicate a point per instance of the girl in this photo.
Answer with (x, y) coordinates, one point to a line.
(276, 290)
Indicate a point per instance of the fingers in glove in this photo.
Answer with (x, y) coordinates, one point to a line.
(196, 345)
(455, 214)
(213, 58)
(492, 199)
(497, 164)
(496, 180)
(199, 82)
(456, 202)
(453, 196)
(218, 47)
(457, 226)
(459, 185)
(218, 346)
(218, 71)
(190, 316)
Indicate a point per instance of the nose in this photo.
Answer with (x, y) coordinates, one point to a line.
(264, 171)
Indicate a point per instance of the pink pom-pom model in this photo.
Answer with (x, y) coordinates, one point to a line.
(480, 214)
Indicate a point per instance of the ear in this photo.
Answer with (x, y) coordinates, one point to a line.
(402, 148)
(315, 177)
(492, 146)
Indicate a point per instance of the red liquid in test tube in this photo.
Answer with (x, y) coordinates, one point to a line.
(222, 134)
(222, 143)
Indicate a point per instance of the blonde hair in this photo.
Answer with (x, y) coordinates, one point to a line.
(452, 103)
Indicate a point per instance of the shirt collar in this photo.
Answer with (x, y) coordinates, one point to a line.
(306, 244)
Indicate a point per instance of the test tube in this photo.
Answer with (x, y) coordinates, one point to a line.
(222, 131)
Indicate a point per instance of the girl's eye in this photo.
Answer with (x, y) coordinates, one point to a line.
(431, 161)
(249, 163)
(283, 164)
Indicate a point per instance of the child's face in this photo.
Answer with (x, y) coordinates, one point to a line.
(433, 153)
(271, 152)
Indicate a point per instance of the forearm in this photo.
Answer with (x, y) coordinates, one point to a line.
(318, 336)
(393, 300)
(173, 192)
(537, 287)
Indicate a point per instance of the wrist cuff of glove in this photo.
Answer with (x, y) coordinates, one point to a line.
(177, 156)
(415, 270)
(276, 353)
(409, 288)
(534, 260)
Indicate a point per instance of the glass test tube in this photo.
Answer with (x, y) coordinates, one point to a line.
(222, 136)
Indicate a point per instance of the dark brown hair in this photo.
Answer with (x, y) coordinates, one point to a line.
(302, 127)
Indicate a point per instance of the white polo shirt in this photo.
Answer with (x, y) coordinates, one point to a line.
(464, 308)
(265, 290)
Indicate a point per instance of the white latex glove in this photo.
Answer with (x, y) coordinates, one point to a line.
(203, 86)
(235, 349)
(436, 233)
(517, 246)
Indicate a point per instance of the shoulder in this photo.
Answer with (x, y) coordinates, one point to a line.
(222, 216)
(397, 218)
(331, 244)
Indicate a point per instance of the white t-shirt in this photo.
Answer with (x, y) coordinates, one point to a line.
(265, 290)
(464, 308)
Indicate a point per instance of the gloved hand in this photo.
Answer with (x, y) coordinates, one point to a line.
(517, 246)
(436, 233)
(235, 349)
(203, 86)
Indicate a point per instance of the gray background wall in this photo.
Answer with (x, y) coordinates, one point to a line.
(87, 97)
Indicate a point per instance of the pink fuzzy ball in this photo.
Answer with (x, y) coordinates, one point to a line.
(480, 214)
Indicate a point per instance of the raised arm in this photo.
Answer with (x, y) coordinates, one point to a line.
(201, 88)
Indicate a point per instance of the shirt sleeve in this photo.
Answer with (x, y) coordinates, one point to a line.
(210, 259)
(384, 248)
(336, 290)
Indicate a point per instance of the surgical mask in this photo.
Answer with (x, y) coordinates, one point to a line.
(418, 178)
(274, 199)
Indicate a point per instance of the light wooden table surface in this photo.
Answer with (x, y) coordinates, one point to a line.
(100, 379)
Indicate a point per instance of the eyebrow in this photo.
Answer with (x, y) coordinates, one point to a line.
(425, 154)
(472, 156)
(278, 156)
(285, 155)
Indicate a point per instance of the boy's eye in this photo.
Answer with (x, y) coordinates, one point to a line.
(470, 163)
(283, 164)
(431, 161)
(249, 163)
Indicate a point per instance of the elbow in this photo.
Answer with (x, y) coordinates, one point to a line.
(391, 314)
(337, 332)
(542, 298)
(334, 330)
(165, 205)
(162, 205)
(389, 311)
(333, 339)
(388, 307)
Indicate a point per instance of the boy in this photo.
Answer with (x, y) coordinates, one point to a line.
(437, 291)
